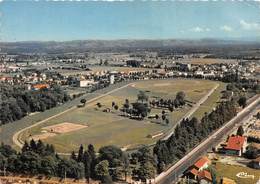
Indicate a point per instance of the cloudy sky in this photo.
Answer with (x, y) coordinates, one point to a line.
(29, 20)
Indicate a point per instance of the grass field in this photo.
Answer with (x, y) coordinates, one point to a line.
(211, 102)
(110, 128)
(230, 171)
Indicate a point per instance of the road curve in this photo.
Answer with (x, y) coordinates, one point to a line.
(171, 175)
(17, 140)
(16, 137)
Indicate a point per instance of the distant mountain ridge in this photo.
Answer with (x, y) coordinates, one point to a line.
(92, 45)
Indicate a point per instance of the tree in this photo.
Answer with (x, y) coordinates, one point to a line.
(180, 96)
(242, 101)
(258, 115)
(92, 154)
(125, 165)
(40, 148)
(116, 107)
(83, 101)
(87, 164)
(113, 104)
(102, 169)
(171, 108)
(213, 174)
(99, 105)
(163, 117)
(25, 147)
(140, 109)
(73, 156)
(240, 131)
(80, 153)
(33, 145)
(146, 171)
(126, 106)
(48, 166)
(142, 97)
(110, 153)
(251, 152)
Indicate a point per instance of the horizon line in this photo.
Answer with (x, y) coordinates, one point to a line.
(241, 39)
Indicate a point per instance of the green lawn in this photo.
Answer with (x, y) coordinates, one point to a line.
(230, 171)
(110, 128)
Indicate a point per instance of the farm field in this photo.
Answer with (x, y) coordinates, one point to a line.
(230, 171)
(109, 128)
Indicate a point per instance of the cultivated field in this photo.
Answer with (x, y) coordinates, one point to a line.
(103, 128)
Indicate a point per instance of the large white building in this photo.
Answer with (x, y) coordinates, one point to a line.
(85, 83)
(112, 79)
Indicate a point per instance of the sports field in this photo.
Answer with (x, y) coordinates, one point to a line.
(103, 128)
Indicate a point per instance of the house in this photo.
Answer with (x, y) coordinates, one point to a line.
(202, 163)
(85, 83)
(197, 171)
(255, 163)
(236, 145)
(40, 86)
(204, 177)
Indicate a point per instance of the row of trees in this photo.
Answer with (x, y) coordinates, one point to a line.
(16, 102)
(170, 104)
(191, 132)
(37, 158)
(110, 164)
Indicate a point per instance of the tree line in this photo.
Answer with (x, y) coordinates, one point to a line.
(191, 132)
(111, 163)
(38, 158)
(17, 102)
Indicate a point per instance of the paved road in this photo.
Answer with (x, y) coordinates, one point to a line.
(16, 139)
(172, 174)
(190, 112)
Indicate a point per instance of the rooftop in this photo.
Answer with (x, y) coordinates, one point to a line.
(235, 142)
(201, 162)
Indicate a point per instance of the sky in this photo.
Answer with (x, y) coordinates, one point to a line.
(63, 21)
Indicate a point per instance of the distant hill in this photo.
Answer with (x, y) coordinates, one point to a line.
(116, 45)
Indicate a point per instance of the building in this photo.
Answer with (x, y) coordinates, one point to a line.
(112, 79)
(40, 86)
(236, 145)
(197, 171)
(204, 177)
(84, 83)
(202, 163)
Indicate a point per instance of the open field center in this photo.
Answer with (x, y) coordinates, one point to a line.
(89, 124)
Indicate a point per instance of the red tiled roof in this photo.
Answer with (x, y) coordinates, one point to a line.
(205, 175)
(41, 86)
(235, 142)
(201, 162)
(194, 171)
